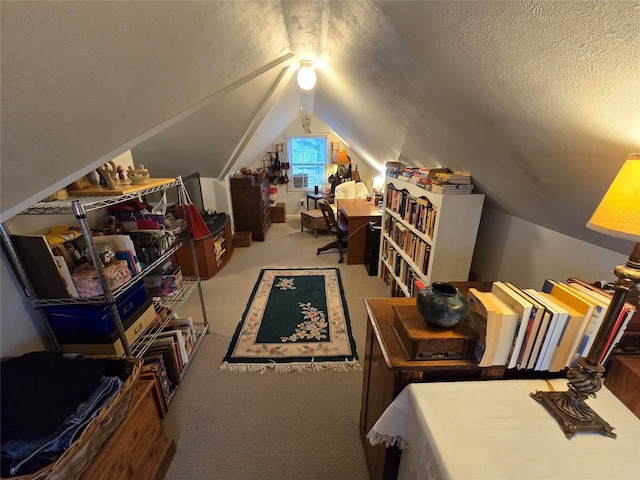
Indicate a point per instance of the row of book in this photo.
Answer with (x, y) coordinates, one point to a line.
(418, 212)
(219, 249)
(547, 329)
(416, 249)
(434, 179)
(167, 356)
(393, 286)
(395, 263)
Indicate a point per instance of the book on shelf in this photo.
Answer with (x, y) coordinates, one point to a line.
(523, 308)
(484, 320)
(569, 337)
(154, 365)
(627, 312)
(594, 323)
(43, 272)
(584, 307)
(509, 321)
(532, 328)
(166, 347)
(184, 322)
(453, 176)
(178, 338)
(451, 188)
(555, 328)
(66, 275)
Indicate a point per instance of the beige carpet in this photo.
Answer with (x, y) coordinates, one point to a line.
(277, 426)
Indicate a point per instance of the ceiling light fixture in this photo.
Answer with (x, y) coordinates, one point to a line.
(306, 76)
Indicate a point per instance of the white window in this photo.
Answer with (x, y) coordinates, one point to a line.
(308, 156)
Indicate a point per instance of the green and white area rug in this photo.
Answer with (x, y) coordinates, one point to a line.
(295, 320)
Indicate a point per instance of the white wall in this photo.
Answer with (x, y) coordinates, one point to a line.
(510, 249)
(292, 200)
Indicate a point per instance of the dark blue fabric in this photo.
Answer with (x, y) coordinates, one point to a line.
(28, 456)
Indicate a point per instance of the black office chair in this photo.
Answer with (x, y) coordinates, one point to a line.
(340, 230)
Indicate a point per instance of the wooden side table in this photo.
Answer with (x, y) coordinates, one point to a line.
(318, 196)
(387, 372)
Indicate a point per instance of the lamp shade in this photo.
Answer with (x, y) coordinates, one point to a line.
(306, 76)
(341, 157)
(618, 214)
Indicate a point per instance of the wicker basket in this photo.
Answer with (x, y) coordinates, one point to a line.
(80, 454)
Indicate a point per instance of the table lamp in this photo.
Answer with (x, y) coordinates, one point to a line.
(617, 215)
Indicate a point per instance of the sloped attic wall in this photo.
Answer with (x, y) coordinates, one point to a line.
(538, 100)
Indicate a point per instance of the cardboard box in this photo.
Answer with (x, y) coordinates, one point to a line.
(88, 283)
(242, 239)
(111, 344)
(278, 213)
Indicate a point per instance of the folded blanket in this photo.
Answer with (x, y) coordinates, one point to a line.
(41, 389)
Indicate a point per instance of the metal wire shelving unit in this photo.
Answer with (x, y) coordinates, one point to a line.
(79, 206)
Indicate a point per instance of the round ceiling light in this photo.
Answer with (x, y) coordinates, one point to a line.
(306, 76)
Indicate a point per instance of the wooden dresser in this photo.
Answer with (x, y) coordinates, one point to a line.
(251, 206)
(138, 449)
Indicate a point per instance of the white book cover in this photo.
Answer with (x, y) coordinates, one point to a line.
(523, 308)
(66, 275)
(556, 327)
(508, 324)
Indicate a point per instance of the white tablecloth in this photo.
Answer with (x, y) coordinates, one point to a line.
(495, 430)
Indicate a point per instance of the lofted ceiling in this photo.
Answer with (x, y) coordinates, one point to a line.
(539, 100)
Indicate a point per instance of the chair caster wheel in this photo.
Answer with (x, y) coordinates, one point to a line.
(318, 252)
(340, 261)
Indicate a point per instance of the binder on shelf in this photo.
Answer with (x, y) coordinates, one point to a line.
(40, 267)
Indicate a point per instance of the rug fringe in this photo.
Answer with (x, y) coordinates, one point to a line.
(299, 367)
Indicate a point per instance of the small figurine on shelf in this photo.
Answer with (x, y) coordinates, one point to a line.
(122, 178)
(138, 176)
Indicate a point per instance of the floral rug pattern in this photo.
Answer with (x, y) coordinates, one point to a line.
(295, 320)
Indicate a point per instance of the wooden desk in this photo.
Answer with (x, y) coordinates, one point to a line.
(357, 212)
(474, 430)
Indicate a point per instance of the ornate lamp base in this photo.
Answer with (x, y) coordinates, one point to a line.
(591, 421)
(569, 407)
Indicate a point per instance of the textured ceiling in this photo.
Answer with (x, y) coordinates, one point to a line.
(540, 101)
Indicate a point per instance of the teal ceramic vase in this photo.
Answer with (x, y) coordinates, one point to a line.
(441, 305)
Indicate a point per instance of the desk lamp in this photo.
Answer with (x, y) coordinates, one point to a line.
(617, 215)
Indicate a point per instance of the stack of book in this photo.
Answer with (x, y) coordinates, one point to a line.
(545, 330)
(168, 354)
(452, 182)
(435, 179)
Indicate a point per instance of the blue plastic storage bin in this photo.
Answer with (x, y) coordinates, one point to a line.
(94, 319)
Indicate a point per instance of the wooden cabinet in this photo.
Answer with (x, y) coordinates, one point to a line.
(387, 372)
(138, 449)
(251, 206)
(213, 252)
(426, 235)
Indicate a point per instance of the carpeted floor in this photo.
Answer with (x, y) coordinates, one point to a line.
(274, 426)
